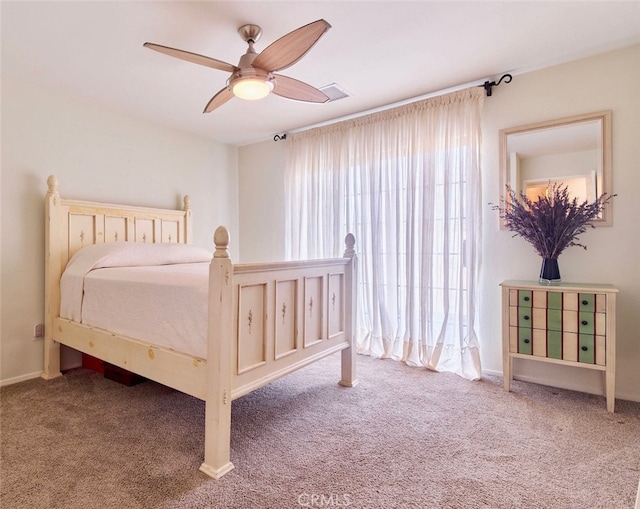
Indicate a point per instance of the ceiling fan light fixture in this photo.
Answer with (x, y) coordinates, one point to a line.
(252, 88)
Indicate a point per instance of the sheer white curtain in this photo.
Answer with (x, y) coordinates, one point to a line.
(406, 183)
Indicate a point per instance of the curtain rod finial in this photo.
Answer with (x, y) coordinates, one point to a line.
(488, 85)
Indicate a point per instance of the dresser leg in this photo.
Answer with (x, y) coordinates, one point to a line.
(610, 390)
(507, 371)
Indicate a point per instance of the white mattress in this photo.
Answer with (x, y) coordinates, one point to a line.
(164, 305)
(156, 293)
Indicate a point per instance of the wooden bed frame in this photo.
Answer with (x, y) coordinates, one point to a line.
(266, 320)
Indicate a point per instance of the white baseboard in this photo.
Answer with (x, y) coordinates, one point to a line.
(31, 376)
(569, 386)
(21, 378)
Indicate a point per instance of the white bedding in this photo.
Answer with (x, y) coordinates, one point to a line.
(152, 292)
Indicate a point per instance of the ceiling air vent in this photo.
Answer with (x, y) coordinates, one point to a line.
(335, 92)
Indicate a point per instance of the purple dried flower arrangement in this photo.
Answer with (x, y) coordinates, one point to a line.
(553, 222)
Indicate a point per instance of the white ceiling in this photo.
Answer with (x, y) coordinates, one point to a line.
(381, 52)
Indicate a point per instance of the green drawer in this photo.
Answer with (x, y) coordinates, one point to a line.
(524, 317)
(554, 300)
(586, 348)
(525, 342)
(586, 322)
(554, 344)
(525, 298)
(587, 302)
(554, 319)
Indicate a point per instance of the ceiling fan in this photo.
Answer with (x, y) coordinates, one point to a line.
(254, 77)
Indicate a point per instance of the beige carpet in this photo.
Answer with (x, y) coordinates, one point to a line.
(403, 438)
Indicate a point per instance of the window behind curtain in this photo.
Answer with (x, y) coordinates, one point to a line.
(406, 183)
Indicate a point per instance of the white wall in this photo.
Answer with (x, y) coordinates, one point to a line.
(98, 155)
(608, 81)
(261, 191)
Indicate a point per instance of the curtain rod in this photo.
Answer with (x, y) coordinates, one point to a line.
(478, 83)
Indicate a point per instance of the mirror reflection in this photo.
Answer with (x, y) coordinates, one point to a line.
(572, 152)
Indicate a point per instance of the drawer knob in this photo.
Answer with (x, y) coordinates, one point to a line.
(526, 317)
(526, 299)
(584, 322)
(584, 348)
(527, 341)
(585, 302)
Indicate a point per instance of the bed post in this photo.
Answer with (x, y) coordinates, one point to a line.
(217, 440)
(53, 271)
(348, 361)
(188, 223)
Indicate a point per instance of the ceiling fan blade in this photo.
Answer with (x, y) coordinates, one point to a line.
(298, 90)
(192, 57)
(290, 48)
(218, 100)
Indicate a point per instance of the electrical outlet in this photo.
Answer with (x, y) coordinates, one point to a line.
(38, 330)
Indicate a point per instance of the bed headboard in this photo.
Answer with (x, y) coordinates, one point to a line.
(72, 224)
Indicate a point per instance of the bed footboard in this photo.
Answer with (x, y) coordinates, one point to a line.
(283, 316)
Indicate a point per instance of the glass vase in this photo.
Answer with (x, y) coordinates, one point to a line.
(550, 272)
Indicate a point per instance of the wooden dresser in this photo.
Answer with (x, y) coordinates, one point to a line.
(567, 323)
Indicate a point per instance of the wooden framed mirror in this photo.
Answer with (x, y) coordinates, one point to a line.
(573, 151)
